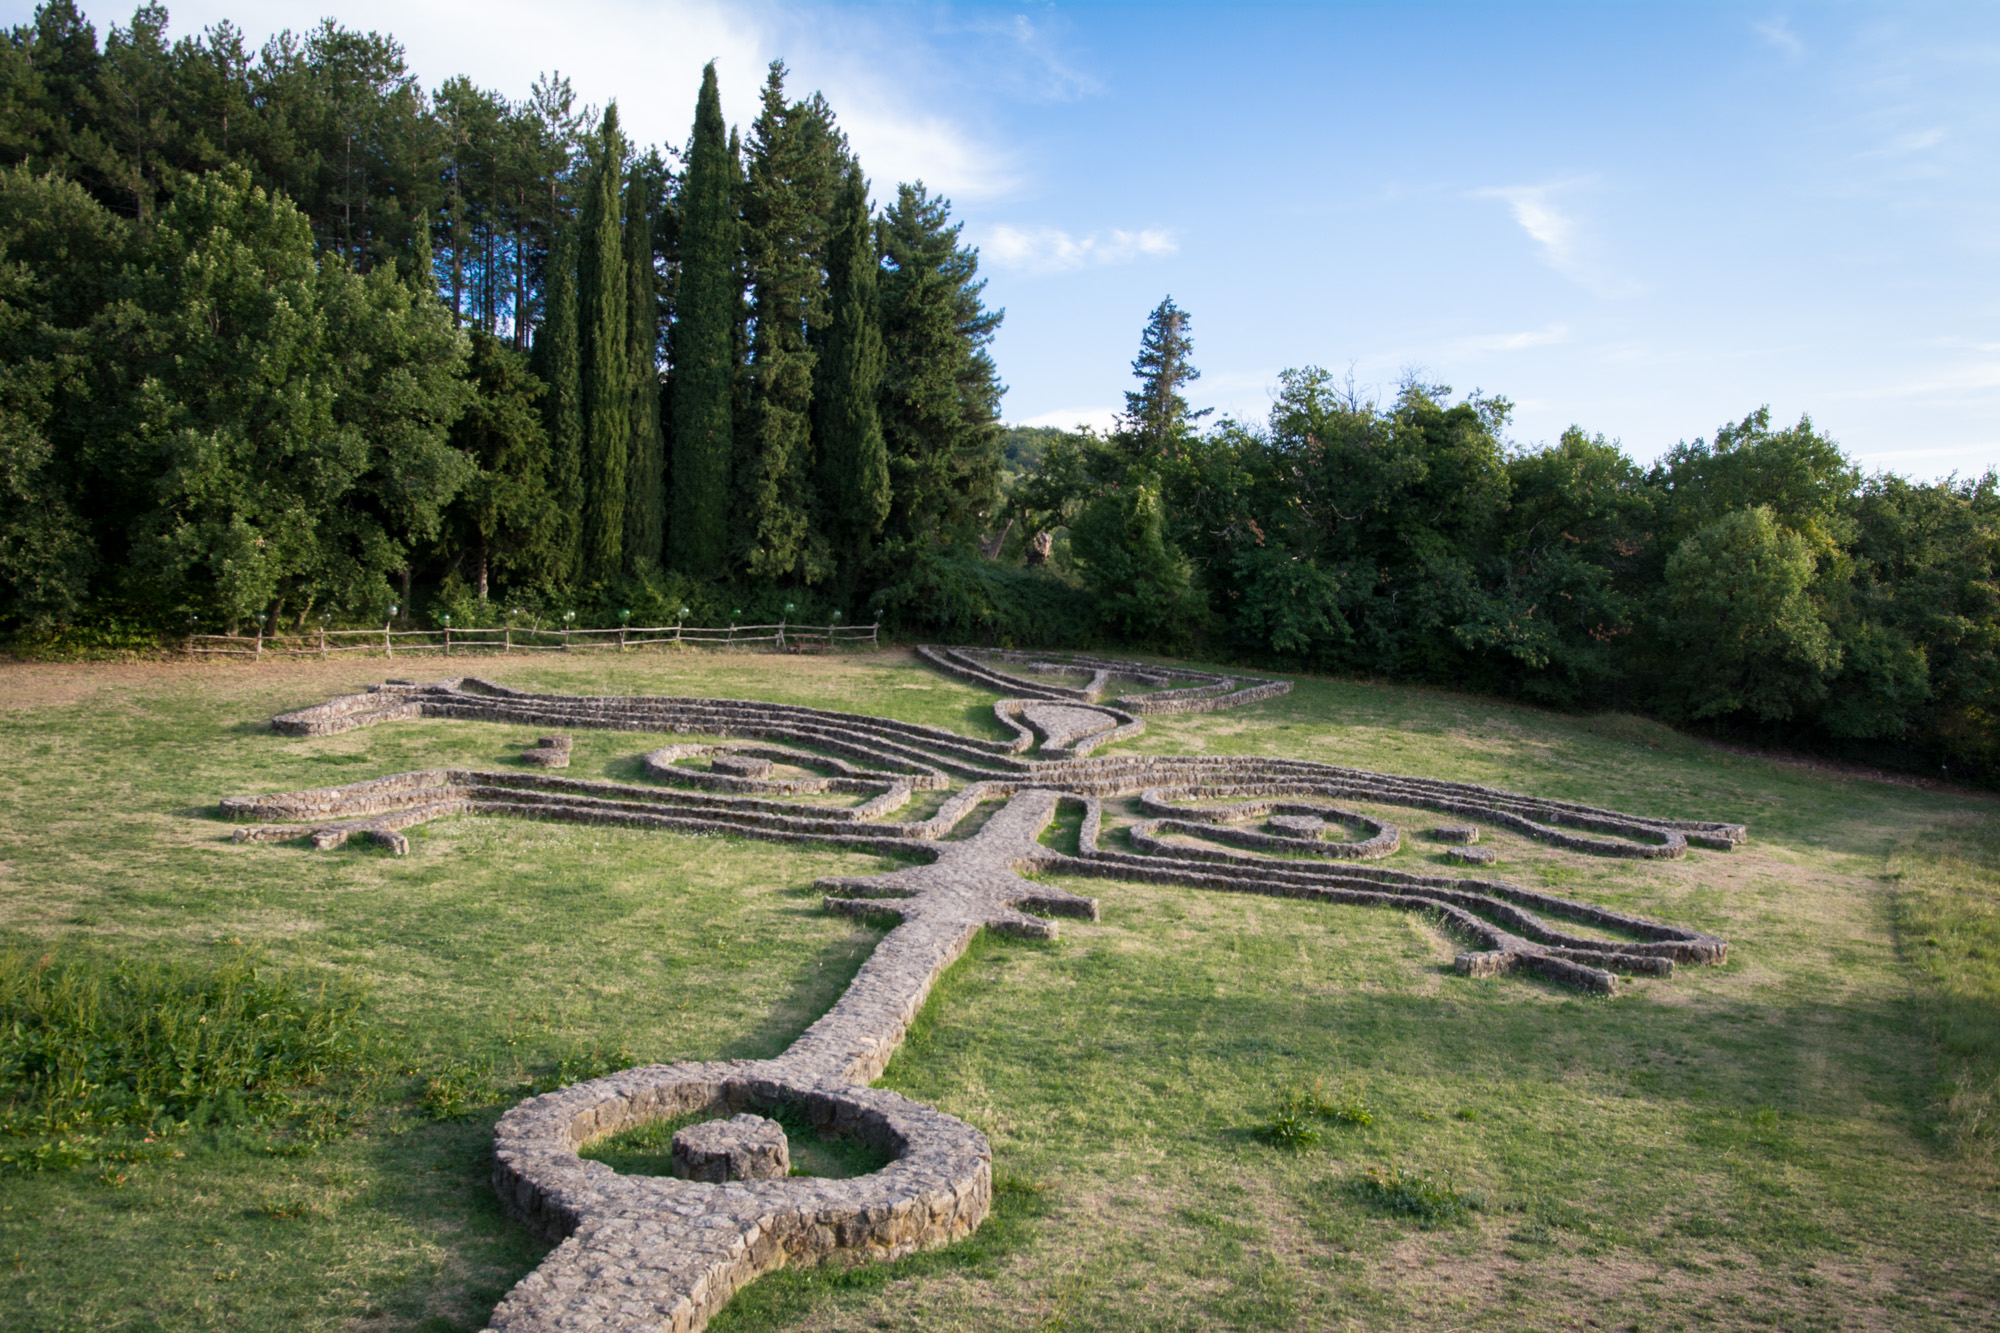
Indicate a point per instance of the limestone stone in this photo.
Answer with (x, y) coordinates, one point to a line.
(1457, 833)
(743, 1147)
(741, 765)
(1472, 856)
(1298, 826)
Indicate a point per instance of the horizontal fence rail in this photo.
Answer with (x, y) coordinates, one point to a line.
(781, 637)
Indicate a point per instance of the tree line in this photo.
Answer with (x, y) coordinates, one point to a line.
(1758, 583)
(286, 337)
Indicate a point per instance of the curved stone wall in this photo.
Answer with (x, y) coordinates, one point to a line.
(661, 1253)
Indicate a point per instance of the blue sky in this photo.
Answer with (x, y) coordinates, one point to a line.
(1645, 220)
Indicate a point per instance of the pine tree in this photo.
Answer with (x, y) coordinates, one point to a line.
(853, 460)
(940, 391)
(794, 164)
(558, 364)
(704, 343)
(645, 519)
(605, 344)
(1156, 416)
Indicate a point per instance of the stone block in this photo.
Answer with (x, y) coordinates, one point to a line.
(740, 766)
(1462, 834)
(1298, 826)
(1473, 856)
(743, 1147)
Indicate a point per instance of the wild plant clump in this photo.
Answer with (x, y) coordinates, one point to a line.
(1431, 1198)
(104, 1060)
(1302, 1109)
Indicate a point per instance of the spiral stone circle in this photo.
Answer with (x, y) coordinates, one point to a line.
(638, 1252)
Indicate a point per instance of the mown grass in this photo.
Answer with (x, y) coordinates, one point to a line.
(1948, 916)
(1786, 1141)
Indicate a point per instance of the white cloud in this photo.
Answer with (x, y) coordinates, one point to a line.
(1547, 225)
(1513, 342)
(881, 73)
(1565, 244)
(1052, 250)
(1778, 32)
(1100, 419)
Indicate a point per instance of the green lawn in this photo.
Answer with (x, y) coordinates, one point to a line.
(1800, 1139)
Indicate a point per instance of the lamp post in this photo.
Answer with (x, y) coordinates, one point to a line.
(569, 622)
(388, 647)
(623, 617)
(447, 634)
(260, 634)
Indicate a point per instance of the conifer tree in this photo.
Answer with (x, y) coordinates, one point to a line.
(940, 393)
(605, 345)
(794, 163)
(558, 364)
(644, 510)
(853, 460)
(704, 343)
(1156, 414)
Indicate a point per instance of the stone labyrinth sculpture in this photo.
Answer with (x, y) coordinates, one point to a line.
(646, 1252)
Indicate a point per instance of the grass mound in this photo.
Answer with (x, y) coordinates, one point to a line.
(103, 1058)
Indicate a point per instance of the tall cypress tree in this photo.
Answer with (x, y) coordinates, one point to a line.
(794, 164)
(645, 519)
(940, 392)
(604, 326)
(704, 343)
(558, 364)
(853, 460)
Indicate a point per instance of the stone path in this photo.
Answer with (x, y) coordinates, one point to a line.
(660, 1253)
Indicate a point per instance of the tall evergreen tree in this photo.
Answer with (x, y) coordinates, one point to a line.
(853, 460)
(558, 364)
(1156, 417)
(645, 515)
(794, 164)
(941, 393)
(704, 343)
(605, 344)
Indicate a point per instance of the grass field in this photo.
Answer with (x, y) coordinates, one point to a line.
(1801, 1139)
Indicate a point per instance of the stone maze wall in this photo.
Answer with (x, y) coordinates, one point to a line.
(640, 1252)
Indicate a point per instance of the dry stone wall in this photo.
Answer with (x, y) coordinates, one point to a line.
(664, 1253)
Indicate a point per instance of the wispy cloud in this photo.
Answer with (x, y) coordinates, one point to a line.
(1099, 419)
(1027, 56)
(1778, 32)
(1565, 244)
(1513, 342)
(1052, 250)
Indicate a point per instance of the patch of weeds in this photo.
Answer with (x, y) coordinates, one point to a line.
(1430, 1198)
(452, 1092)
(107, 1059)
(581, 1066)
(1302, 1109)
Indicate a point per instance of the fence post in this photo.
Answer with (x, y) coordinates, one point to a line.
(388, 648)
(260, 643)
(322, 642)
(447, 641)
(781, 634)
(875, 634)
(507, 641)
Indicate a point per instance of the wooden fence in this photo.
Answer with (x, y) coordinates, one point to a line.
(780, 637)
